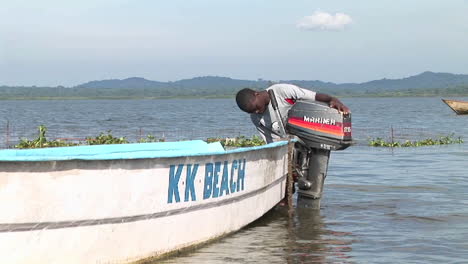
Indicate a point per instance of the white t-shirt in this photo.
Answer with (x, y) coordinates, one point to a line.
(286, 95)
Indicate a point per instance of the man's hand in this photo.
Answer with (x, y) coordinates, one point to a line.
(332, 102)
(337, 104)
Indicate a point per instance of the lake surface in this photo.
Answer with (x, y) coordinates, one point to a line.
(380, 205)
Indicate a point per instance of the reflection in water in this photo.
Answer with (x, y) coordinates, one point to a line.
(312, 241)
(277, 238)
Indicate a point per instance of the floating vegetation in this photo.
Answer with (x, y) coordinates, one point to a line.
(107, 138)
(240, 141)
(42, 142)
(442, 140)
(151, 138)
(104, 139)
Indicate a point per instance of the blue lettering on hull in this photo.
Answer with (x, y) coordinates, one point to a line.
(220, 179)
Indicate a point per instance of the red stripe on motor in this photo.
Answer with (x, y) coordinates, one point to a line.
(336, 129)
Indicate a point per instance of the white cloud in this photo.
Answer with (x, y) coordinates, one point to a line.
(324, 21)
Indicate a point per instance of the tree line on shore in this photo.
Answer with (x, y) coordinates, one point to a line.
(142, 93)
(424, 84)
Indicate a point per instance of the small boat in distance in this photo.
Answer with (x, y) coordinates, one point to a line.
(459, 107)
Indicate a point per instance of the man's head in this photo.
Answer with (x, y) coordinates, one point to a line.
(251, 101)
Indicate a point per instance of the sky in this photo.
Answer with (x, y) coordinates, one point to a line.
(63, 42)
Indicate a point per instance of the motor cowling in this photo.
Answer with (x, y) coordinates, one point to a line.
(319, 125)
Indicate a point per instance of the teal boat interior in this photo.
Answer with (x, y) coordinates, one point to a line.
(124, 151)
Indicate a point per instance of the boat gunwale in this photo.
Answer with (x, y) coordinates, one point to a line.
(167, 154)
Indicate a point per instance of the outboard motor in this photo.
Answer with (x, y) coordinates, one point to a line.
(320, 129)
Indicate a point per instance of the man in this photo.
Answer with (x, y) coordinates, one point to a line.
(257, 104)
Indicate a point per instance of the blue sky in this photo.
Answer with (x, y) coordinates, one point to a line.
(60, 42)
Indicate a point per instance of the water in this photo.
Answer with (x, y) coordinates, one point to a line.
(406, 205)
(169, 119)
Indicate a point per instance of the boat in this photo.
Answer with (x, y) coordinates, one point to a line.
(459, 107)
(132, 202)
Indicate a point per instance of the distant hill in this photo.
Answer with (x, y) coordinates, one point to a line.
(425, 80)
(207, 82)
(424, 84)
(135, 82)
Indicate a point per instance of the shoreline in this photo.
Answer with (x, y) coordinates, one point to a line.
(208, 97)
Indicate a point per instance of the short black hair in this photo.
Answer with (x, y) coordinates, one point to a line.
(244, 98)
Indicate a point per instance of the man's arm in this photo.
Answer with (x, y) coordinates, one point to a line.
(292, 91)
(265, 133)
(332, 102)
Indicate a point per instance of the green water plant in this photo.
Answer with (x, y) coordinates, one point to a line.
(106, 138)
(151, 138)
(240, 141)
(41, 141)
(441, 140)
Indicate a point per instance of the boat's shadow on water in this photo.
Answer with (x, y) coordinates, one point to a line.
(300, 235)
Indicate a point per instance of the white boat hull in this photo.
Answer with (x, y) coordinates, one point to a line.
(122, 211)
